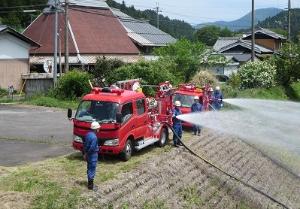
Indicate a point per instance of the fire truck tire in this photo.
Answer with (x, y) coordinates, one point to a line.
(163, 137)
(127, 151)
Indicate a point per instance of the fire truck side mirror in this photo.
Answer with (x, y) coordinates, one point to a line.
(70, 113)
(119, 118)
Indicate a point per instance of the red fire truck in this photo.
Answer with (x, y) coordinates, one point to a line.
(129, 121)
(186, 93)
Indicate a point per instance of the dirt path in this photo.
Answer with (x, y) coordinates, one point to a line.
(179, 180)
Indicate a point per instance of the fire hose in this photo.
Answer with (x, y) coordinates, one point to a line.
(227, 174)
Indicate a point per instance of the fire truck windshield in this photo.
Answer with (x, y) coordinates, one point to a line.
(103, 112)
(186, 100)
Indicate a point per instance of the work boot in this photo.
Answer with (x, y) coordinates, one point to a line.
(90, 184)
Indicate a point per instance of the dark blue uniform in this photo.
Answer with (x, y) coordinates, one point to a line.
(217, 100)
(91, 150)
(196, 107)
(177, 126)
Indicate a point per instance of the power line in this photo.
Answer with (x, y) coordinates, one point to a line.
(23, 6)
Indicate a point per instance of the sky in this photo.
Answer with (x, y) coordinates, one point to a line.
(200, 11)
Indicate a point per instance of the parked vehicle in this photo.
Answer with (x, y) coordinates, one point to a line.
(129, 120)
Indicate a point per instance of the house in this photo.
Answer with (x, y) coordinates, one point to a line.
(93, 31)
(237, 50)
(14, 57)
(267, 39)
(145, 36)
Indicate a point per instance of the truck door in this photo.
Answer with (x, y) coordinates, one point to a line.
(141, 118)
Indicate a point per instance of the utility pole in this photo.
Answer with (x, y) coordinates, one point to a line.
(55, 43)
(66, 37)
(289, 20)
(253, 33)
(157, 14)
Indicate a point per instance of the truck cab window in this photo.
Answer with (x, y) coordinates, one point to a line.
(127, 111)
(140, 104)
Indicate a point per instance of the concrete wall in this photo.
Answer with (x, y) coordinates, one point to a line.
(36, 86)
(11, 71)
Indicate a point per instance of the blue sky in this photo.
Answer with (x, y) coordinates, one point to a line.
(199, 11)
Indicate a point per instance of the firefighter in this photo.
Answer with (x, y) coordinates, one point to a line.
(177, 126)
(91, 150)
(217, 98)
(196, 107)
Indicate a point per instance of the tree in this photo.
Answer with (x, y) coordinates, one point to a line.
(153, 73)
(103, 69)
(186, 55)
(287, 62)
(210, 34)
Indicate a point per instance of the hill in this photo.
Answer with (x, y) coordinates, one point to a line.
(245, 21)
(280, 22)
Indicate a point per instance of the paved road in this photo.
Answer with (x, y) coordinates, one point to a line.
(30, 133)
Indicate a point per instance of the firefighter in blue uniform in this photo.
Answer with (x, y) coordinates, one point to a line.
(91, 150)
(217, 99)
(177, 126)
(196, 107)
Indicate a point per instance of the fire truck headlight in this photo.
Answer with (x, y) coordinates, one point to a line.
(77, 138)
(111, 142)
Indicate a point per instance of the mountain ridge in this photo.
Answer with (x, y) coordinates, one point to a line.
(245, 21)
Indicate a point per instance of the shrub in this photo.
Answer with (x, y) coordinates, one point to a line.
(103, 69)
(3, 92)
(72, 85)
(257, 74)
(152, 73)
(287, 62)
(234, 80)
(204, 77)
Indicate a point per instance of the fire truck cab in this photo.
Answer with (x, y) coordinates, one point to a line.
(185, 93)
(129, 121)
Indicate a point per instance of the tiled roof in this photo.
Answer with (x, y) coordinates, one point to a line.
(92, 31)
(224, 44)
(87, 3)
(224, 41)
(266, 32)
(142, 32)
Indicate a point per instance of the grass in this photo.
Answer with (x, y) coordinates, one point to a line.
(154, 204)
(47, 101)
(191, 197)
(61, 182)
(276, 93)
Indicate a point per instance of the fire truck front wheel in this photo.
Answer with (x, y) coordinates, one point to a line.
(163, 137)
(127, 151)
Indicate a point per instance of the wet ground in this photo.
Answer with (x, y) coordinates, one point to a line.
(29, 134)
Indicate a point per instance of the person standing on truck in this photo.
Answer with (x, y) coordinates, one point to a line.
(196, 107)
(217, 99)
(91, 149)
(177, 126)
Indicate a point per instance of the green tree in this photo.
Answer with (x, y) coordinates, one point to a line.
(287, 62)
(152, 73)
(186, 56)
(210, 34)
(103, 69)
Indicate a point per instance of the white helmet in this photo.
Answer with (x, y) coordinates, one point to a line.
(177, 103)
(95, 125)
(218, 88)
(196, 97)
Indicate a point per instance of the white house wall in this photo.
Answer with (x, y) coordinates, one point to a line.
(13, 48)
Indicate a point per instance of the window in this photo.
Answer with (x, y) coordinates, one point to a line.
(140, 105)
(186, 100)
(127, 111)
(103, 112)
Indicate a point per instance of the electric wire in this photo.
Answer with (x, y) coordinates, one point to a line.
(227, 174)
